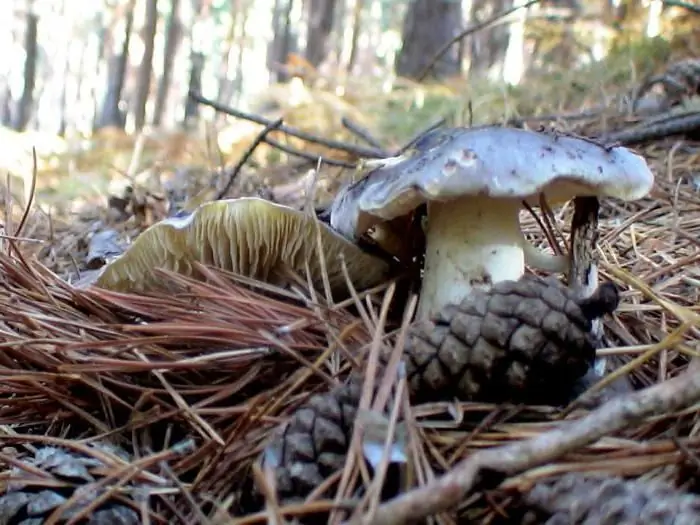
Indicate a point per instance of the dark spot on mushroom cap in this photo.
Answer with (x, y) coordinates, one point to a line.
(468, 155)
(450, 166)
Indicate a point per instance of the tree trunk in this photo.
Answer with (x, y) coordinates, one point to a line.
(26, 102)
(195, 84)
(237, 84)
(143, 86)
(63, 100)
(112, 114)
(173, 35)
(6, 107)
(225, 84)
(488, 47)
(283, 42)
(356, 28)
(427, 26)
(320, 24)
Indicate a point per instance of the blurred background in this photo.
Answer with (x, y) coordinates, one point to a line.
(79, 80)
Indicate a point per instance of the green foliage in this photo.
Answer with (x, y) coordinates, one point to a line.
(645, 53)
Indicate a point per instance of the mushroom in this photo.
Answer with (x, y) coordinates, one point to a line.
(249, 236)
(474, 181)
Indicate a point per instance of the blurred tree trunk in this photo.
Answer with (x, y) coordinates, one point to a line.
(66, 78)
(427, 26)
(65, 73)
(283, 42)
(6, 107)
(143, 85)
(488, 47)
(26, 102)
(173, 36)
(224, 92)
(319, 26)
(237, 84)
(195, 84)
(341, 19)
(112, 114)
(201, 10)
(356, 28)
(514, 59)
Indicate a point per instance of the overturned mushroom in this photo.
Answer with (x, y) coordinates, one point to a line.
(249, 236)
(474, 181)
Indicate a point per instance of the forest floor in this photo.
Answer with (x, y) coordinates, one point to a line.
(193, 394)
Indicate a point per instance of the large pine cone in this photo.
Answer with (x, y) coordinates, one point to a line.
(526, 341)
(522, 340)
(32, 502)
(578, 499)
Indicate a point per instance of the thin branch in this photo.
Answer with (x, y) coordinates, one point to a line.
(469, 31)
(685, 5)
(314, 158)
(579, 115)
(329, 143)
(675, 125)
(233, 174)
(420, 135)
(489, 466)
(362, 134)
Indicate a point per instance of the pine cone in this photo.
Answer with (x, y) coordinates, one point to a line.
(32, 502)
(315, 441)
(577, 499)
(524, 341)
(504, 343)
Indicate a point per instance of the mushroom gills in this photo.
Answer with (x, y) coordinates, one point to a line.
(471, 242)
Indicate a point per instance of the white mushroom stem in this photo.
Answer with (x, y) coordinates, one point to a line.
(535, 258)
(470, 242)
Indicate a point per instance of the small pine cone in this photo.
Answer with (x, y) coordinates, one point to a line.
(313, 444)
(28, 502)
(578, 499)
(524, 341)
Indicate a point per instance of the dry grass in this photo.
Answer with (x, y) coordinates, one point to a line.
(222, 364)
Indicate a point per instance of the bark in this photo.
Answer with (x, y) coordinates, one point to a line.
(283, 42)
(237, 85)
(428, 24)
(143, 86)
(26, 102)
(173, 36)
(356, 27)
(112, 114)
(225, 84)
(488, 47)
(195, 84)
(320, 24)
(6, 107)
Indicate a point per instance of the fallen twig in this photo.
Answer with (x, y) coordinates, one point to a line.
(303, 135)
(685, 5)
(420, 135)
(233, 173)
(449, 490)
(657, 129)
(362, 134)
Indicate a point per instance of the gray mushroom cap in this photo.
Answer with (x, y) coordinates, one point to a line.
(492, 162)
